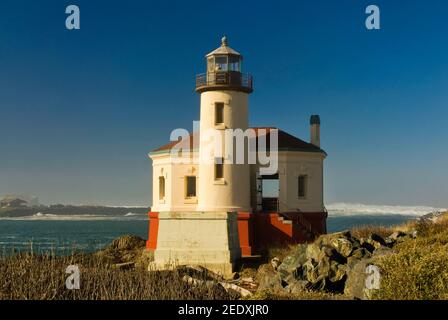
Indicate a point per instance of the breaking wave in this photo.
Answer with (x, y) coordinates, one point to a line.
(43, 215)
(132, 214)
(357, 209)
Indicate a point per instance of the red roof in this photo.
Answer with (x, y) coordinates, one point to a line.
(286, 142)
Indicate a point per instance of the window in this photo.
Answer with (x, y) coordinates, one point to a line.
(303, 179)
(190, 187)
(221, 63)
(161, 188)
(219, 168)
(234, 63)
(219, 113)
(270, 188)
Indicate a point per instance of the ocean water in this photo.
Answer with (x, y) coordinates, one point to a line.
(88, 233)
(65, 234)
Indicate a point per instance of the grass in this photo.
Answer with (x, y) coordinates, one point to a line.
(27, 276)
(419, 269)
(304, 295)
(415, 273)
(365, 231)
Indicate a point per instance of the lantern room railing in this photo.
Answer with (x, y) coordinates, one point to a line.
(224, 80)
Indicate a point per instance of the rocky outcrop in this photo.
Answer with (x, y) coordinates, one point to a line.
(433, 216)
(128, 242)
(126, 252)
(335, 263)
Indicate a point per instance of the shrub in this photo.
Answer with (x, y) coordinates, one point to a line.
(419, 270)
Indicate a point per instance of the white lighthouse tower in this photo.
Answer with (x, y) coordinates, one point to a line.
(224, 185)
(194, 218)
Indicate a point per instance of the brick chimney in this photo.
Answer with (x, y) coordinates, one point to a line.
(315, 130)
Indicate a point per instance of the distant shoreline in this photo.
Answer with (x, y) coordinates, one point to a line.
(69, 210)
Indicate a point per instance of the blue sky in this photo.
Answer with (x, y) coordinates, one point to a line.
(81, 109)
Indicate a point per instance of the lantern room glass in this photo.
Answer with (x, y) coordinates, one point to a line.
(234, 64)
(223, 63)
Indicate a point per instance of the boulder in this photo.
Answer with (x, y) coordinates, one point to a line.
(355, 285)
(377, 238)
(396, 235)
(313, 251)
(337, 271)
(275, 263)
(311, 271)
(326, 239)
(370, 244)
(360, 253)
(297, 286)
(323, 267)
(268, 279)
(343, 246)
(292, 264)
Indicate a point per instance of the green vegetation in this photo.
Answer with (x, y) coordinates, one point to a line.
(419, 269)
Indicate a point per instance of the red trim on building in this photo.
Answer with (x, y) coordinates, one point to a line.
(246, 232)
(151, 243)
(259, 230)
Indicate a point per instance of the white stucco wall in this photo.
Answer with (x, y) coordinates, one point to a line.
(209, 239)
(174, 174)
(232, 193)
(293, 164)
(290, 166)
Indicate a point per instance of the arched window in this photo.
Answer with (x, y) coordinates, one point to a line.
(161, 188)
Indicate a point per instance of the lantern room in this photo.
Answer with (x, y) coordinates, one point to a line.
(224, 71)
(224, 59)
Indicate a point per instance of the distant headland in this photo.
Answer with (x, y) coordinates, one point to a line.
(15, 207)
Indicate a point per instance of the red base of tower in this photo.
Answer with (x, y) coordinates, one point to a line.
(259, 230)
(151, 243)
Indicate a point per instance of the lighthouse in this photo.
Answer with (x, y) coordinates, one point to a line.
(212, 210)
(224, 90)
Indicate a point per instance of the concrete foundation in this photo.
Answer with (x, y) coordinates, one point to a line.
(209, 239)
